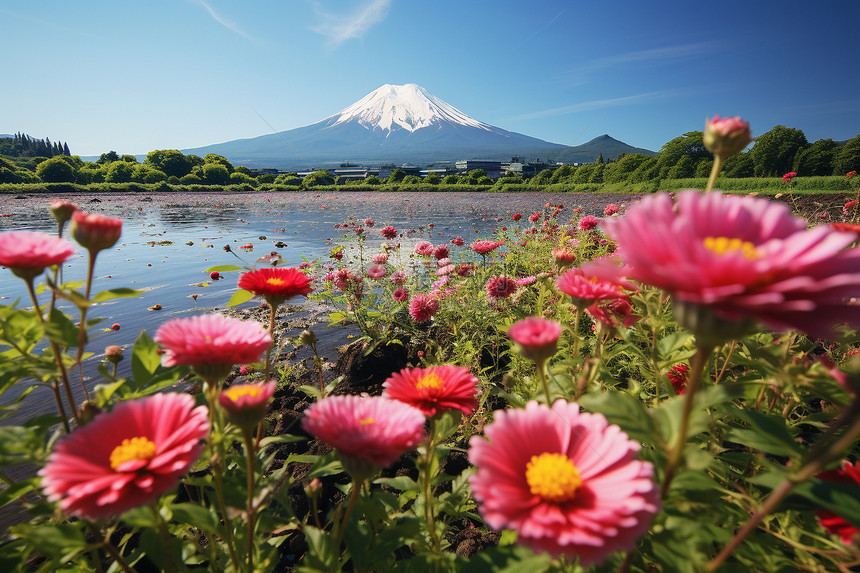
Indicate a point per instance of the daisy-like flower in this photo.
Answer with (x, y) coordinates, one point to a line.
(245, 404)
(516, 217)
(499, 287)
(368, 432)
(398, 277)
(614, 312)
(465, 269)
(212, 343)
(424, 248)
(95, 232)
(400, 294)
(484, 246)
(369, 222)
(588, 223)
(611, 209)
(537, 337)
(526, 281)
(849, 475)
(277, 284)
(534, 217)
(388, 232)
(376, 272)
(380, 258)
(586, 289)
(441, 252)
(741, 259)
(458, 241)
(566, 481)
(563, 257)
(434, 390)
(422, 307)
(127, 457)
(447, 269)
(27, 253)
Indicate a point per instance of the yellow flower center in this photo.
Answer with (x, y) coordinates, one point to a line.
(366, 421)
(275, 281)
(138, 448)
(723, 245)
(236, 392)
(430, 381)
(553, 477)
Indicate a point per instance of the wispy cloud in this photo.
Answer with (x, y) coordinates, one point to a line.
(584, 70)
(597, 104)
(223, 21)
(338, 28)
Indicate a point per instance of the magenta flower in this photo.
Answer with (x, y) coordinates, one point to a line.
(126, 458)
(95, 232)
(537, 337)
(398, 277)
(388, 232)
(499, 287)
(588, 223)
(400, 294)
(422, 307)
(441, 252)
(424, 248)
(611, 209)
(743, 258)
(376, 271)
(27, 253)
(380, 258)
(212, 340)
(585, 289)
(567, 482)
(484, 246)
(374, 430)
(245, 404)
(458, 241)
(434, 390)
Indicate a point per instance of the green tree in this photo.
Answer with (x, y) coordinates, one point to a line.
(129, 158)
(108, 157)
(773, 153)
(648, 170)
(55, 170)
(432, 178)
(119, 172)
(396, 176)
(373, 180)
(563, 174)
(171, 162)
(683, 169)
(219, 159)
(452, 179)
(475, 176)
(243, 169)
(318, 178)
(411, 180)
(239, 178)
(214, 174)
(848, 157)
(291, 178)
(622, 168)
(690, 144)
(817, 159)
(543, 178)
(90, 174)
(146, 174)
(739, 165)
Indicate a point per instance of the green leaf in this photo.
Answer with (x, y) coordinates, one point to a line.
(627, 412)
(766, 433)
(841, 499)
(239, 297)
(400, 483)
(508, 559)
(16, 490)
(144, 359)
(196, 515)
(223, 269)
(60, 329)
(116, 293)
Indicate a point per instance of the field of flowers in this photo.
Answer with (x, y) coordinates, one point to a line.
(672, 386)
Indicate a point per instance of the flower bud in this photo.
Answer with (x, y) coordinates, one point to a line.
(95, 232)
(307, 338)
(537, 337)
(245, 404)
(727, 136)
(62, 210)
(113, 354)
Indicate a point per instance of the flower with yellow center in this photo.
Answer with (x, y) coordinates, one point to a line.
(725, 245)
(553, 477)
(133, 449)
(430, 381)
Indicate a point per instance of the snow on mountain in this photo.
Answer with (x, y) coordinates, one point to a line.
(408, 107)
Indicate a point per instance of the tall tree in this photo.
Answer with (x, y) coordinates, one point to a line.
(773, 153)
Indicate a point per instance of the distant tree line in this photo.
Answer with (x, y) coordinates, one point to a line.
(22, 145)
(773, 154)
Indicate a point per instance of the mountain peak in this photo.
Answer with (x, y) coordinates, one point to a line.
(410, 107)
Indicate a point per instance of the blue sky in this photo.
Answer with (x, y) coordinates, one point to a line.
(164, 74)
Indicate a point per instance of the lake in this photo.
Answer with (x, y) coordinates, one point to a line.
(169, 240)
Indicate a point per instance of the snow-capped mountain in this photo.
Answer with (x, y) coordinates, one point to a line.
(392, 124)
(408, 107)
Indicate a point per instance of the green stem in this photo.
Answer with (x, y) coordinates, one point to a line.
(541, 370)
(249, 453)
(82, 329)
(700, 360)
(341, 528)
(429, 459)
(101, 541)
(216, 437)
(55, 350)
(715, 170)
(823, 455)
(175, 562)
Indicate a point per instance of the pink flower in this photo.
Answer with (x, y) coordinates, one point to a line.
(458, 241)
(441, 252)
(95, 232)
(277, 284)
(563, 257)
(534, 217)
(537, 337)
(369, 222)
(434, 390)
(566, 481)
(400, 294)
(525, 281)
(848, 475)
(245, 404)
(789, 176)
(389, 232)
(398, 277)
(445, 270)
(614, 312)
(440, 282)
(376, 272)
(726, 136)
(499, 287)
(27, 253)
(849, 206)
(484, 246)
(743, 258)
(444, 262)
(380, 258)
(464, 269)
(374, 430)
(588, 222)
(424, 248)
(126, 458)
(422, 307)
(62, 210)
(212, 339)
(586, 289)
(610, 210)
